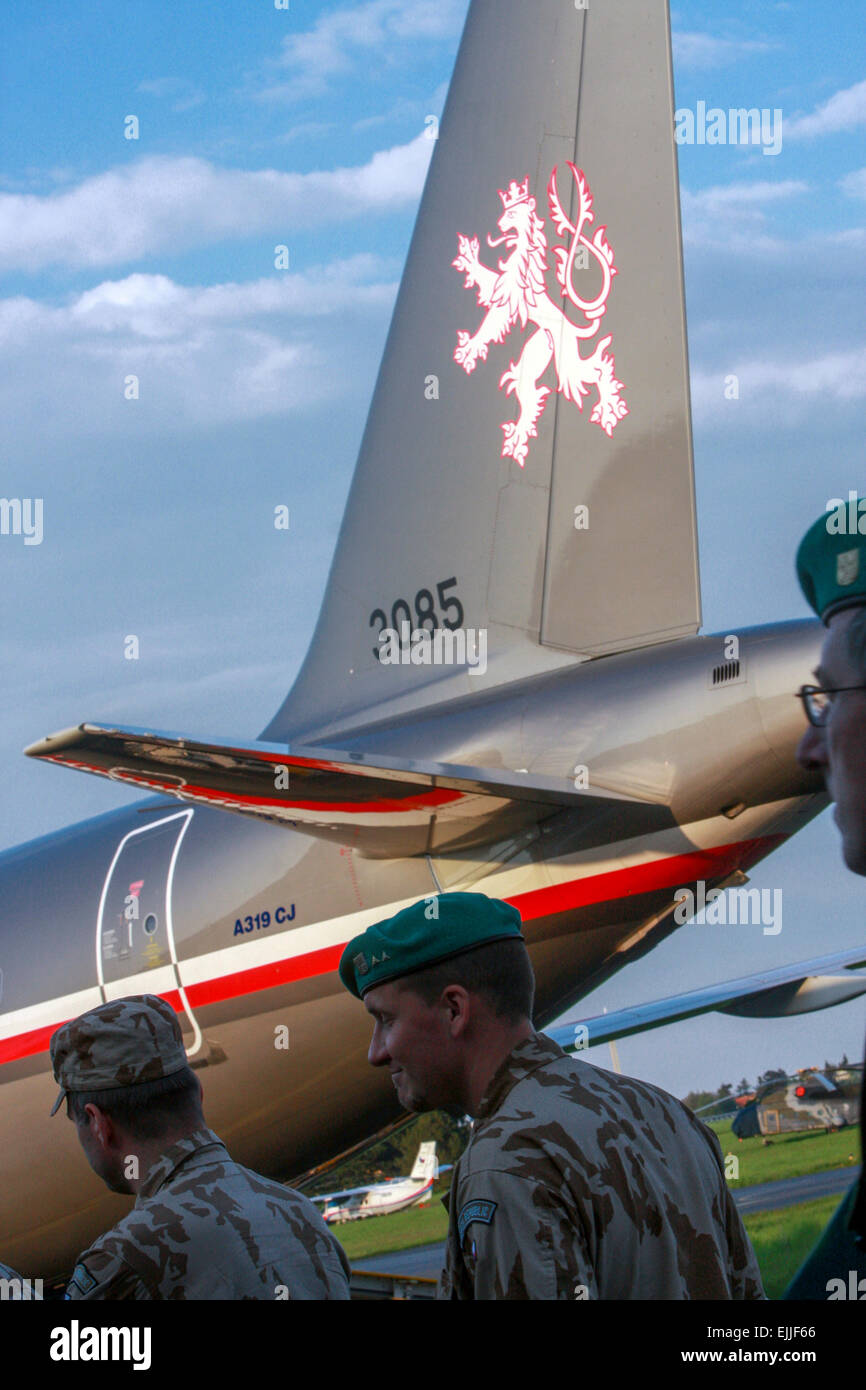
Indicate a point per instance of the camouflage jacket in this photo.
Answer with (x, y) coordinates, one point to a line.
(579, 1184)
(204, 1227)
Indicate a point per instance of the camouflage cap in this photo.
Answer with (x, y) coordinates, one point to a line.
(121, 1043)
(831, 561)
(432, 930)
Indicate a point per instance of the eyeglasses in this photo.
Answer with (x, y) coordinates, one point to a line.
(817, 704)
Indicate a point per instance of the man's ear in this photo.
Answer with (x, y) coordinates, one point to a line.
(458, 1003)
(101, 1126)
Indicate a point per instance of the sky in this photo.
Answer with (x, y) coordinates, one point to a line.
(153, 256)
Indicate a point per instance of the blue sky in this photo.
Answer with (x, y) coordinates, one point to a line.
(305, 126)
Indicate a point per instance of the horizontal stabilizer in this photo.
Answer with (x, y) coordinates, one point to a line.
(383, 806)
(803, 987)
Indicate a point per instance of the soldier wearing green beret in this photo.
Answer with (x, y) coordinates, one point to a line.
(831, 567)
(576, 1183)
(202, 1226)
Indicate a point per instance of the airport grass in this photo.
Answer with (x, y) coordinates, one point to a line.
(782, 1239)
(379, 1235)
(788, 1155)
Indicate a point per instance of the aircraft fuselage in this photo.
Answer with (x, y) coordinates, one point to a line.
(241, 924)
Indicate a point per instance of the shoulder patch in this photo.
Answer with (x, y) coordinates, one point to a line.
(82, 1279)
(479, 1209)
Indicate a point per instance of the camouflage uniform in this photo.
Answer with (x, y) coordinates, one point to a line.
(204, 1227)
(580, 1184)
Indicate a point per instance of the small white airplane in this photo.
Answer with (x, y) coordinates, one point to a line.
(354, 1203)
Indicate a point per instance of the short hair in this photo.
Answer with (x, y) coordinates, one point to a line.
(149, 1109)
(855, 637)
(499, 971)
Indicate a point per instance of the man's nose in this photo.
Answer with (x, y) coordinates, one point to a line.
(377, 1053)
(810, 750)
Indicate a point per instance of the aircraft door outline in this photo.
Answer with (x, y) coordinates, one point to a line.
(131, 939)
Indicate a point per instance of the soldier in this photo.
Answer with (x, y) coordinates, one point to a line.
(202, 1226)
(831, 567)
(576, 1183)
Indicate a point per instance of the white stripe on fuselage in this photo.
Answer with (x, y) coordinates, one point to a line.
(213, 965)
(510, 881)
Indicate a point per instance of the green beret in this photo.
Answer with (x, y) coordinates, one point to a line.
(831, 560)
(432, 930)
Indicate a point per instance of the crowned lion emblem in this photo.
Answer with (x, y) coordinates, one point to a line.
(517, 291)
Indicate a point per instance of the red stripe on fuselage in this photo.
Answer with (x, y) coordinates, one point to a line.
(677, 871)
(28, 1044)
(278, 972)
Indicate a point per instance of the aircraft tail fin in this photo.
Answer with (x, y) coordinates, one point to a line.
(425, 1165)
(524, 484)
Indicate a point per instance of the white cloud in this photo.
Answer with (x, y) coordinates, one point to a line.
(735, 214)
(740, 198)
(766, 385)
(404, 109)
(202, 355)
(849, 236)
(706, 51)
(305, 130)
(845, 110)
(154, 306)
(340, 37)
(854, 184)
(165, 203)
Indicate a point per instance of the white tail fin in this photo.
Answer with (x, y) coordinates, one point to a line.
(525, 479)
(425, 1165)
